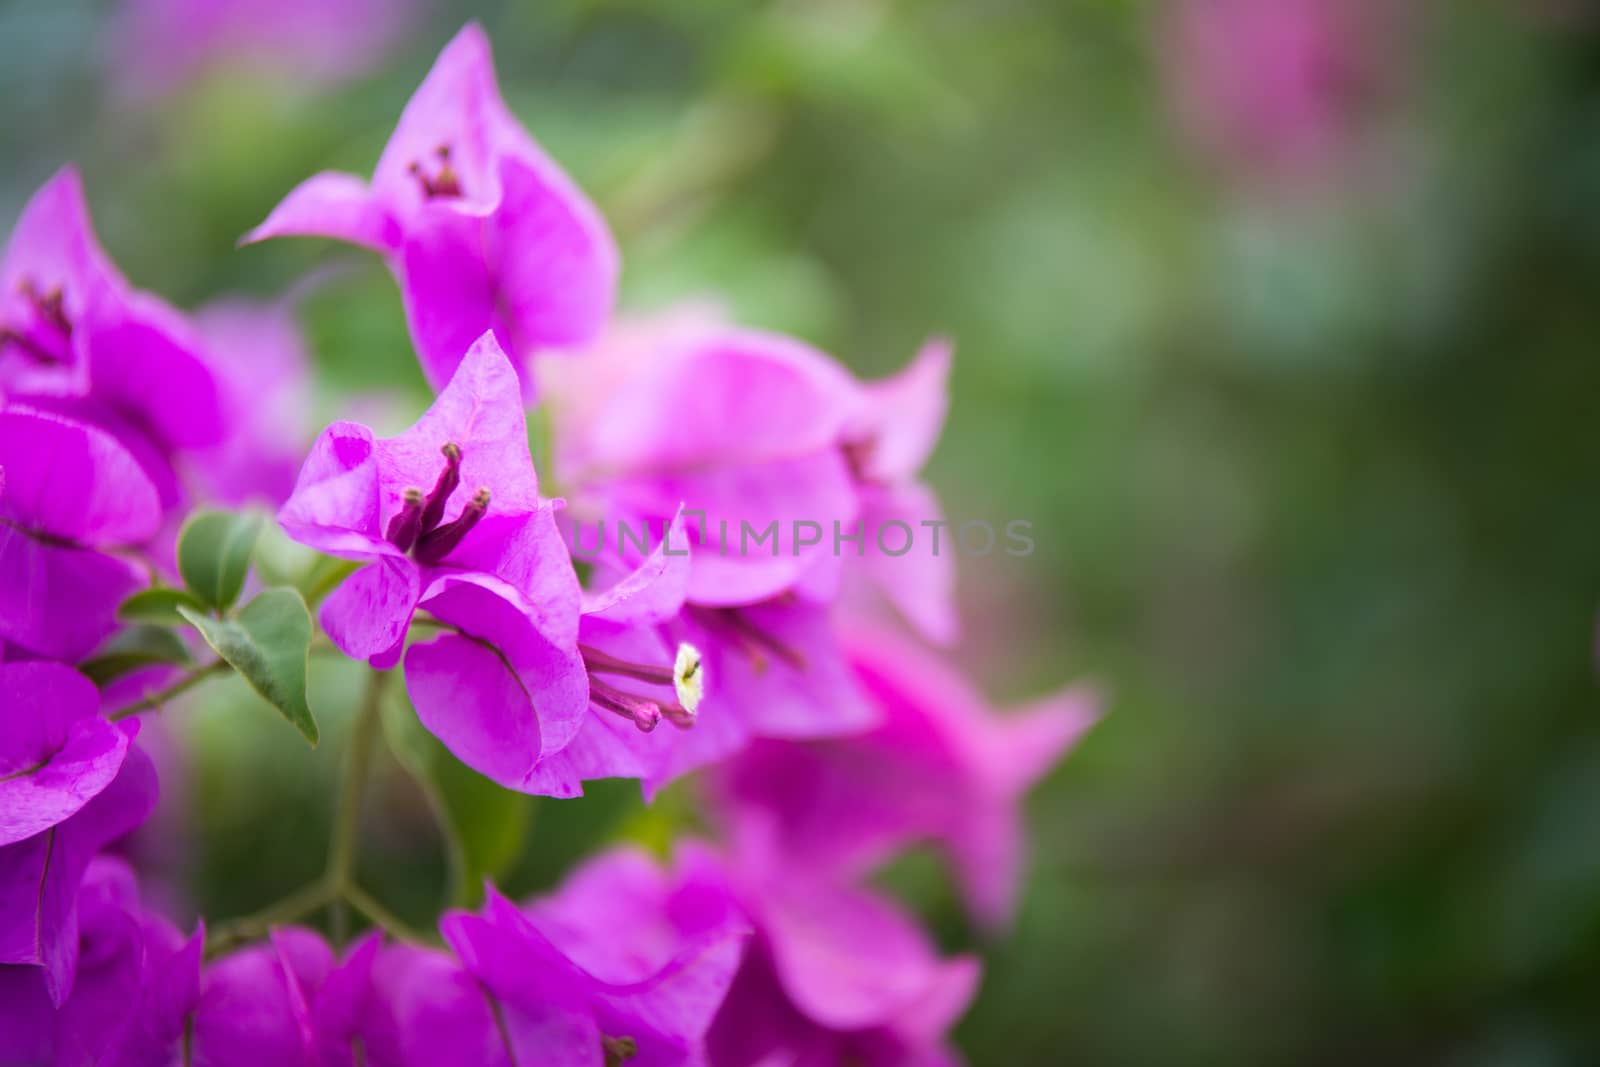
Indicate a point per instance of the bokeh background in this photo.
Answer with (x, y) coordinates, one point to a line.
(1277, 318)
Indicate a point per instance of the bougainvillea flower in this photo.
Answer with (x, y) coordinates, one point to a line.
(738, 427)
(941, 767)
(158, 45)
(70, 783)
(592, 1008)
(793, 472)
(481, 228)
(840, 975)
(136, 980)
(71, 491)
(448, 518)
(263, 370)
(71, 326)
(830, 973)
(895, 427)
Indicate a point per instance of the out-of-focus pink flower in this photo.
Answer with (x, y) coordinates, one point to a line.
(156, 46)
(1278, 85)
(137, 978)
(262, 367)
(73, 329)
(73, 497)
(481, 228)
(749, 430)
(579, 1002)
(942, 766)
(832, 974)
(70, 783)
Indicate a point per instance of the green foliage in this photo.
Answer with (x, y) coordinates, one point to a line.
(134, 648)
(267, 642)
(484, 825)
(158, 606)
(214, 555)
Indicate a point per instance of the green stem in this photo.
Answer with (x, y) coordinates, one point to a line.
(297, 905)
(382, 917)
(347, 818)
(155, 700)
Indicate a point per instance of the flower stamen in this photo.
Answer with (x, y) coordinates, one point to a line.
(47, 338)
(618, 1050)
(443, 184)
(686, 676)
(403, 527)
(416, 528)
(645, 714)
(438, 543)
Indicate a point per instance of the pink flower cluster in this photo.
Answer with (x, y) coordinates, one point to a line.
(828, 739)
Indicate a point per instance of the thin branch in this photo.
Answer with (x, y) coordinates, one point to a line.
(156, 700)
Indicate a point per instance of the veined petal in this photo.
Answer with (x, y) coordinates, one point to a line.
(335, 506)
(551, 673)
(368, 614)
(73, 481)
(59, 601)
(554, 260)
(39, 877)
(144, 358)
(449, 288)
(481, 410)
(56, 753)
(472, 700)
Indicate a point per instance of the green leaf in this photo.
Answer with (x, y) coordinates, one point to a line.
(133, 649)
(267, 643)
(158, 607)
(484, 824)
(214, 554)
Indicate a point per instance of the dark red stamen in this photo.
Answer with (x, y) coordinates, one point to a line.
(416, 528)
(47, 338)
(677, 714)
(449, 478)
(602, 663)
(444, 184)
(644, 714)
(404, 526)
(434, 545)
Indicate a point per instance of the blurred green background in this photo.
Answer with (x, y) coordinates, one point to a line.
(1308, 438)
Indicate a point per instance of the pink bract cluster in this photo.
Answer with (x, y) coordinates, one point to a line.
(828, 739)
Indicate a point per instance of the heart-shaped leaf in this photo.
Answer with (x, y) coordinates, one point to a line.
(267, 643)
(132, 649)
(158, 607)
(214, 555)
